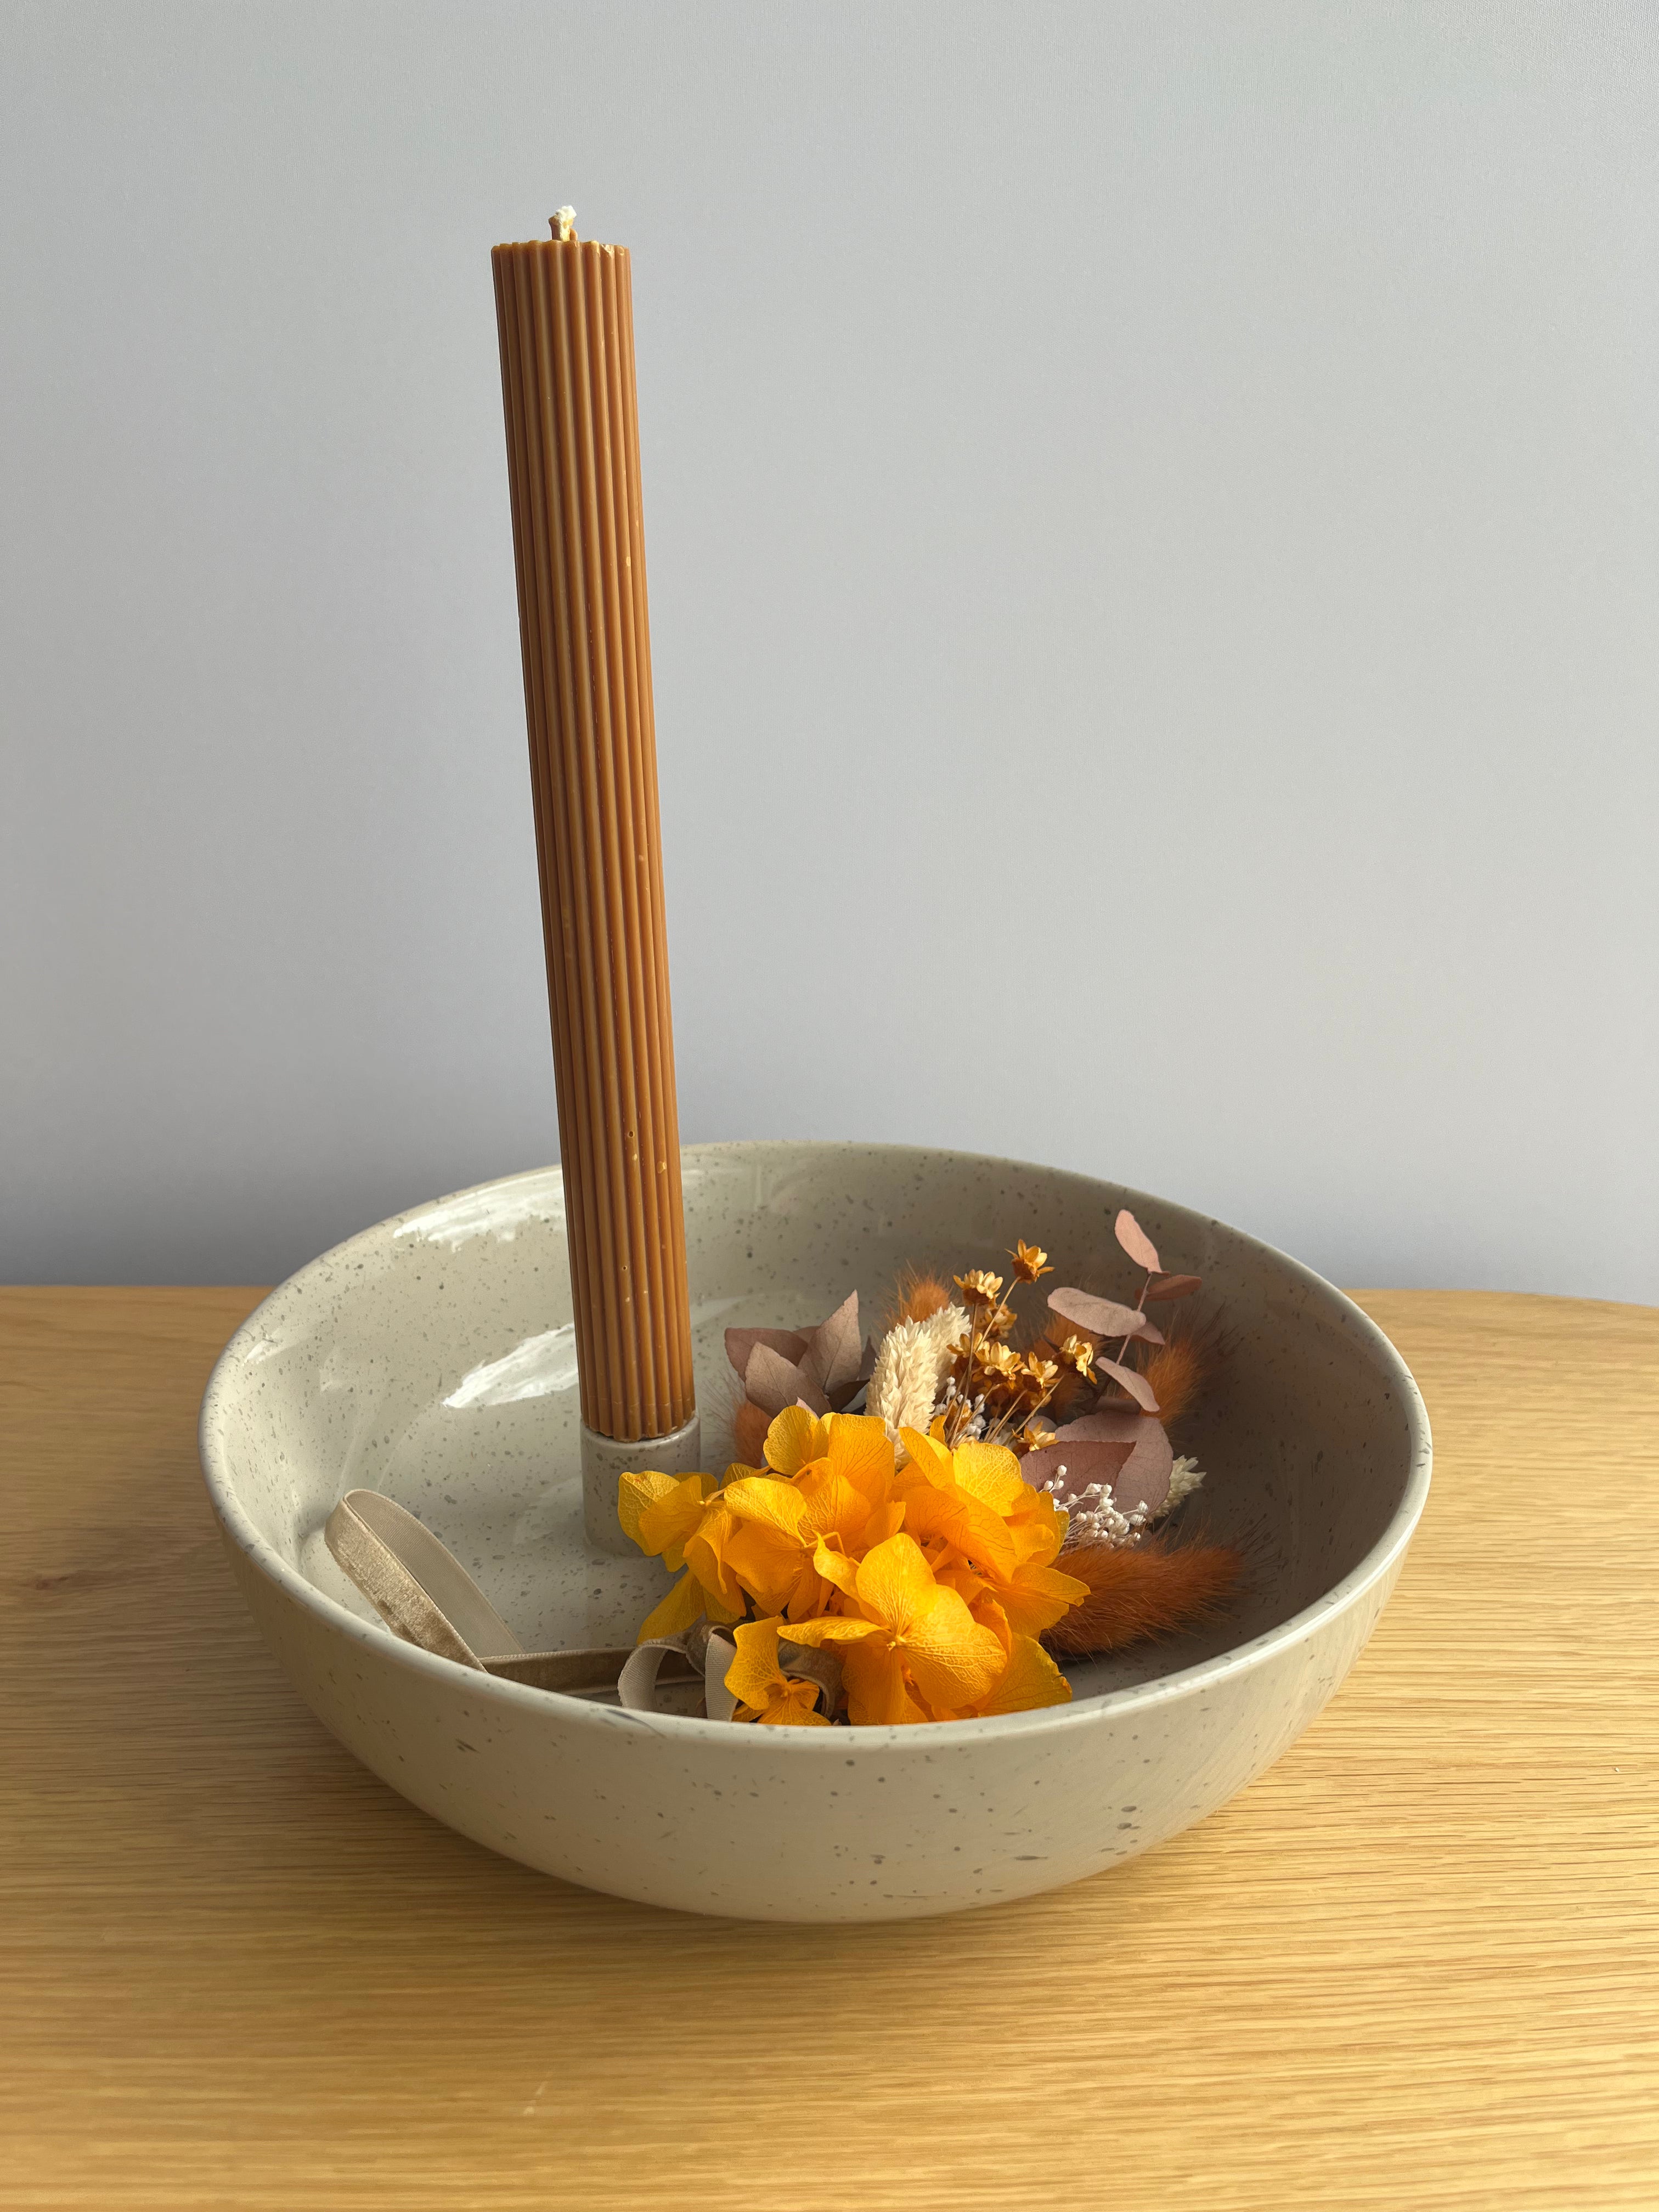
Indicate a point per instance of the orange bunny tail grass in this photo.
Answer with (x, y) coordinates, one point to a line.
(1181, 1368)
(917, 1297)
(1140, 1591)
(1176, 1370)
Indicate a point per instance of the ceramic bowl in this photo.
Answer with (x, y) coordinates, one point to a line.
(434, 1359)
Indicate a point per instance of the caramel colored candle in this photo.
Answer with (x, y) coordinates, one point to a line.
(565, 312)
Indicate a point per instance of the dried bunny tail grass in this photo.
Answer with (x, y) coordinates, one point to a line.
(1148, 1589)
(1183, 1367)
(1175, 1370)
(917, 1296)
(910, 1368)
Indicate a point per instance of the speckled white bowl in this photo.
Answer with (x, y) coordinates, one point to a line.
(432, 1358)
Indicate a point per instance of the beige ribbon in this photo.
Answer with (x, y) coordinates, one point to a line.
(424, 1595)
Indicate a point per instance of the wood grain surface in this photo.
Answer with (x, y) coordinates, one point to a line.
(1414, 1967)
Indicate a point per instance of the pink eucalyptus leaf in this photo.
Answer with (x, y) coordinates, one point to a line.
(1145, 1476)
(1096, 1317)
(831, 1358)
(1137, 1385)
(1084, 1464)
(1163, 1288)
(1121, 1426)
(1146, 1460)
(772, 1382)
(788, 1343)
(1136, 1243)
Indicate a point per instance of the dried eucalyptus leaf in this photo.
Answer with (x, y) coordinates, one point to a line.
(788, 1343)
(1143, 1477)
(1083, 1461)
(1100, 1317)
(832, 1354)
(1136, 1243)
(772, 1382)
(1137, 1385)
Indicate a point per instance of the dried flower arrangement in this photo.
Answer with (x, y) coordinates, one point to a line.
(926, 1558)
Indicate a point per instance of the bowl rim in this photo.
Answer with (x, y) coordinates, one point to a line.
(1182, 1682)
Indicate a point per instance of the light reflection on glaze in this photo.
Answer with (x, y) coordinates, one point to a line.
(538, 1368)
(542, 1365)
(452, 1222)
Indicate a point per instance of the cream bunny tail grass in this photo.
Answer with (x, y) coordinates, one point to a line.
(910, 1368)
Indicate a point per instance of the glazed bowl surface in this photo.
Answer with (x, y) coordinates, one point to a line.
(433, 1358)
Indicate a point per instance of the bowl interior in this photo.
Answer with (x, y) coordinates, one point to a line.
(434, 1359)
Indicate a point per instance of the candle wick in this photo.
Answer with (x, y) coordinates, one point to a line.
(563, 226)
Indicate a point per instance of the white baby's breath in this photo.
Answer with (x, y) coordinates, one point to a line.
(1093, 1516)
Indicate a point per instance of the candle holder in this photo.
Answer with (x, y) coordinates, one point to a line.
(432, 1360)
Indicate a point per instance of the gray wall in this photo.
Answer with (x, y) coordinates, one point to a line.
(1152, 534)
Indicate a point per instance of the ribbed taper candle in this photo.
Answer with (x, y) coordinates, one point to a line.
(564, 307)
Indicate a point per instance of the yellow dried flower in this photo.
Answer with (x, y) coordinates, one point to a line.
(979, 1288)
(999, 1359)
(1076, 1352)
(1040, 1376)
(1034, 1437)
(1030, 1261)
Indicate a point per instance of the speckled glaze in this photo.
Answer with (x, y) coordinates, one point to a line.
(433, 1358)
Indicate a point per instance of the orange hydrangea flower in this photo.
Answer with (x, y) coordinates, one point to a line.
(932, 1582)
(764, 1693)
(911, 1651)
(682, 1521)
(982, 1485)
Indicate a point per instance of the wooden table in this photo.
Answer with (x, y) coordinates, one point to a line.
(1414, 1967)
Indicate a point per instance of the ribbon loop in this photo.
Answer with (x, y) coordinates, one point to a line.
(425, 1596)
